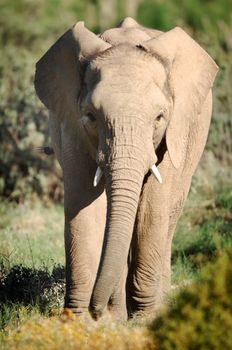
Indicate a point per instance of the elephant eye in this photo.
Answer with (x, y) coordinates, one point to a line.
(159, 116)
(91, 117)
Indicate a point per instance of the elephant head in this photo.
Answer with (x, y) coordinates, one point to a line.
(130, 91)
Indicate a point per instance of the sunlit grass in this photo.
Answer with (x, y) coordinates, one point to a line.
(31, 234)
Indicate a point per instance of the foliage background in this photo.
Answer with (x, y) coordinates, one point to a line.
(29, 27)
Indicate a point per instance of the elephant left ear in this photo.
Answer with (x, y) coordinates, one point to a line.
(191, 75)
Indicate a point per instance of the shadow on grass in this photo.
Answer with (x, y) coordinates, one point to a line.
(32, 287)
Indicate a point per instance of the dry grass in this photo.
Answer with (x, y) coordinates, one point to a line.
(67, 332)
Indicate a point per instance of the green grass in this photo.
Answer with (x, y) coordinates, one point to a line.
(31, 261)
(204, 230)
(31, 234)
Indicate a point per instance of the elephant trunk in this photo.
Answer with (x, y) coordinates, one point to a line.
(124, 177)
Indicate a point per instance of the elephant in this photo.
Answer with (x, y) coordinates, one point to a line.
(129, 114)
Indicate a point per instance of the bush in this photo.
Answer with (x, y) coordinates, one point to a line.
(23, 127)
(200, 317)
(24, 28)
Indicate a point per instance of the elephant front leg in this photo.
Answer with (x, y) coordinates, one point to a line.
(149, 250)
(145, 278)
(83, 242)
(149, 278)
(85, 213)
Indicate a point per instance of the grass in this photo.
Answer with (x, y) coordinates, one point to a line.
(32, 272)
(205, 228)
(31, 234)
(31, 260)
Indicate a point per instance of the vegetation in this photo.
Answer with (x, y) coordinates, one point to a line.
(203, 230)
(31, 226)
(57, 332)
(28, 234)
(28, 28)
(200, 317)
(32, 283)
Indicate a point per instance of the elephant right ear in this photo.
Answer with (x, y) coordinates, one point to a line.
(58, 72)
(191, 73)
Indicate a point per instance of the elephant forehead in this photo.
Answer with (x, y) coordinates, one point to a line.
(122, 57)
(125, 77)
(129, 98)
(131, 83)
(125, 69)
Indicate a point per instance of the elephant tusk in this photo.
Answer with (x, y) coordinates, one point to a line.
(156, 172)
(97, 176)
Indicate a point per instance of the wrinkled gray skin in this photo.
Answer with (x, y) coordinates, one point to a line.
(124, 100)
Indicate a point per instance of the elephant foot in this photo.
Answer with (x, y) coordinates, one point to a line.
(116, 308)
(78, 307)
(76, 313)
(144, 307)
(114, 312)
(118, 313)
(96, 312)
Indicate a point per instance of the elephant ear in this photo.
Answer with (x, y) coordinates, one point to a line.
(191, 75)
(58, 72)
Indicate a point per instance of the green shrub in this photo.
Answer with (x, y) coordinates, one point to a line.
(23, 122)
(23, 127)
(200, 317)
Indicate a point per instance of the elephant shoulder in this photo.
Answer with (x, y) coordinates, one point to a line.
(129, 32)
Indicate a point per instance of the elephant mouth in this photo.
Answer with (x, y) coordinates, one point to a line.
(153, 169)
(99, 174)
(159, 153)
